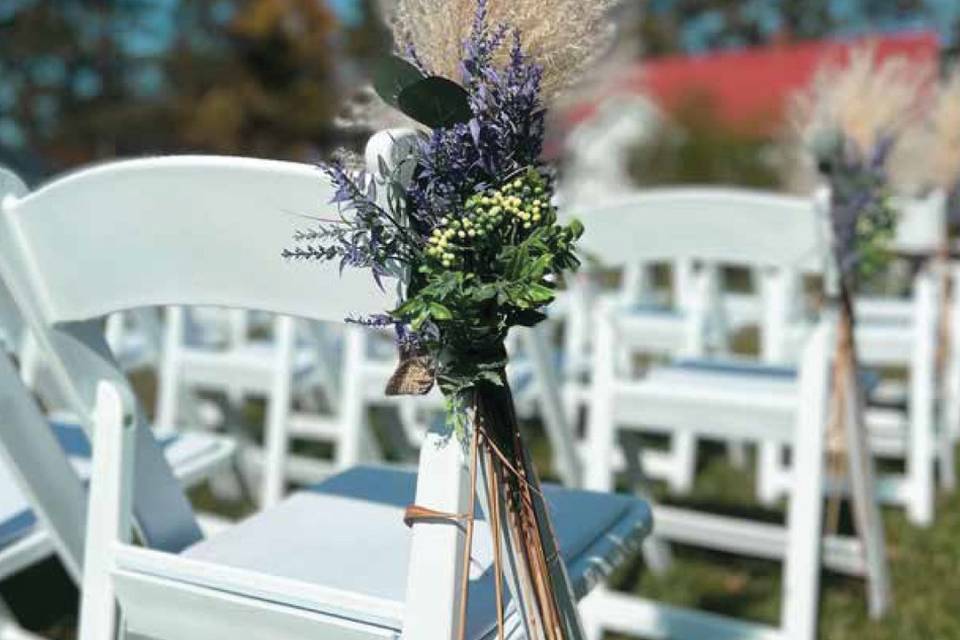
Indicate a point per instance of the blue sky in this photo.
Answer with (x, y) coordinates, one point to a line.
(850, 17)
(350, 12)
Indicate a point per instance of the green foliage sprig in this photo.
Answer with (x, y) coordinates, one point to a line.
(491, 268)
(863, 217)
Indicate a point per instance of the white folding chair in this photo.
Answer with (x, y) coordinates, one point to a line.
(744, 402)
(369, 578)
(704, 313)
(900, 333)
(659, 329)
(195, 457)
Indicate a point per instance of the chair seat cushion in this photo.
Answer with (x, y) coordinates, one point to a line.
(181, 449)
(348, 533)
(747, 372)
(732, 379)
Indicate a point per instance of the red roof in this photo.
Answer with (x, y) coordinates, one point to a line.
(749, 89)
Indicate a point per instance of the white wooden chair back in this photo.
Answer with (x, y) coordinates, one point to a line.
(779, 236)
(706, 224)
(921, 225)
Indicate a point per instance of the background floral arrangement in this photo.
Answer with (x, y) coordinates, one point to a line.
(846, 128)
(931, 153)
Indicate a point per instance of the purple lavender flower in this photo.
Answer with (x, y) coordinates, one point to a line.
(861, 216)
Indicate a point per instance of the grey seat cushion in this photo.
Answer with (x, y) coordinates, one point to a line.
(348, 533)
(746, 369)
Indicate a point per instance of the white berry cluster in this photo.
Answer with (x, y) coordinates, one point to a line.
(519, 204)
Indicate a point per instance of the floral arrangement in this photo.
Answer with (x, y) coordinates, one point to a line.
(465, 223)
(846, 126)
(472, 234)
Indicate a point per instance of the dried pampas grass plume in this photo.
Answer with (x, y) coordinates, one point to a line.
(564, 36)
(865, 99)
(931, 154)
(945, 125)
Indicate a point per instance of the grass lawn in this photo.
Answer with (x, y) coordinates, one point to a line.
(925, 566)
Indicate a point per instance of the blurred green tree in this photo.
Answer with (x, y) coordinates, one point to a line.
(267, 87)
(88, 79)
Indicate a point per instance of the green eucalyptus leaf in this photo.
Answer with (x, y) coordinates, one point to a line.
(576, 229)
(420, 319)
(537, 268)
(409, 308)
(436, 102)
(391, 76)
(540, 293)
(440, 312)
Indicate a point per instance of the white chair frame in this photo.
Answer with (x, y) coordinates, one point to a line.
(781, 234)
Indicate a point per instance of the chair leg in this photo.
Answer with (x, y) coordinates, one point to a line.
(109, 515)
(920, 471)
(656, 551)
(592, 623)
(769, 469)
(349, 447)
(947, 466)
(278, 410)
(169, 371)
(601, 429)
(684, 454)
(572, 398)
(274, 469)
(921, 456)
(801, 568)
